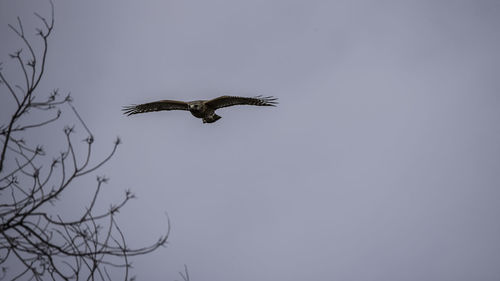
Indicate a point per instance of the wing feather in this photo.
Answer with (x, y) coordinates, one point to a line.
(225, 101)
(155, 106)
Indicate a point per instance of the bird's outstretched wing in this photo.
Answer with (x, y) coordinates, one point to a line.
(155, 106)
(226, 101)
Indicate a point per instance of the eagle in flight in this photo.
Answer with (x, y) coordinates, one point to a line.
(204, 109)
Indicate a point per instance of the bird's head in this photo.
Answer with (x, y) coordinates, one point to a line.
(195, 106)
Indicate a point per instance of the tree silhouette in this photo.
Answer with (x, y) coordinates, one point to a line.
(33, 234)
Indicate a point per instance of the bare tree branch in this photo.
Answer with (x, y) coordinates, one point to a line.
(185, 274)
(32, 231)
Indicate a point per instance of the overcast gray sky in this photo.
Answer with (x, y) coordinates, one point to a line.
(381, 162)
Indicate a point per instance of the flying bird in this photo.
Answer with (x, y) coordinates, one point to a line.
(204, 109)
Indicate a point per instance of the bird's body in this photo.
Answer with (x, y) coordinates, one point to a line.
(204, 109)
(200, 110)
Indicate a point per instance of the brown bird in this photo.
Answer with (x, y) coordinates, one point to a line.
(204, 109)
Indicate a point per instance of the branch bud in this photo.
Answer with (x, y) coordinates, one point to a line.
(68, 130)
(68, 98)
(39, 150)
(102, 179)
(89, 139)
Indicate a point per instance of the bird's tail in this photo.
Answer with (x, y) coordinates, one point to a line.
(211, 119)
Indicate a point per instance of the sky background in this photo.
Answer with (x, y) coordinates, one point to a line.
(381, 162)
